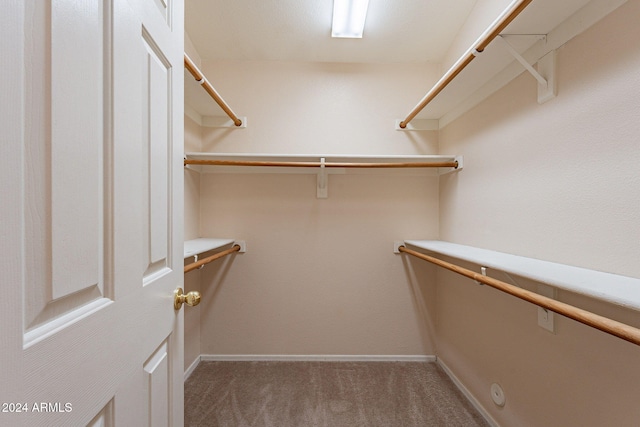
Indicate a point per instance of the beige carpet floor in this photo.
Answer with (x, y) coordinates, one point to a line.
(324, 394)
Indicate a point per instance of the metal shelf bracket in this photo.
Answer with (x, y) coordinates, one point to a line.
(322, 191)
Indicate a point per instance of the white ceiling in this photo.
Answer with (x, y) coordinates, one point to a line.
(300, 30)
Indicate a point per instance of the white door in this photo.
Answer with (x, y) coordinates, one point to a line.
(91, 211)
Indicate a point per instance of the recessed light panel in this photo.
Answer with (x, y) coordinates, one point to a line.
(348, 18)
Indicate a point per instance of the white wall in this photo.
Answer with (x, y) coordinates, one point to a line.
(325, 108)
(191, 50)
(192, 142)
(319, 276)
(559, 182)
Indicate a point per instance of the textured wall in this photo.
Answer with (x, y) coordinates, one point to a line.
(559, 182)
(192, 142)
(320, 276)
(323, 108)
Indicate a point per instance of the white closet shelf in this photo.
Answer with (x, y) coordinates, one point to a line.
(541, 28)
(375, 161)
(198, 246)
(615, 289)
(323, 165)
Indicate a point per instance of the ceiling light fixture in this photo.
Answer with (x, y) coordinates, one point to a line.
(348, 18)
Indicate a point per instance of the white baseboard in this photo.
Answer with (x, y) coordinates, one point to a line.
(192, 367)
(302, 358)
(470, 397)
(315, 358)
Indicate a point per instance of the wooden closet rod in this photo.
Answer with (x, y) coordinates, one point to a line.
(508, 16)
(613, 327)
(200, 78)
(207, 260)
(453, 164)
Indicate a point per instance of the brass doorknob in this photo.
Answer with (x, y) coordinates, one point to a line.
(191, 298)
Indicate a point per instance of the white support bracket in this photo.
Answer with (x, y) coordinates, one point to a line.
(419, 124)
(545, 75)
(322, 191)
(483, 271)
(222, 122)
(547, 68)
(242, 244)
(195, 259)
(546, 317)
(444, 171)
